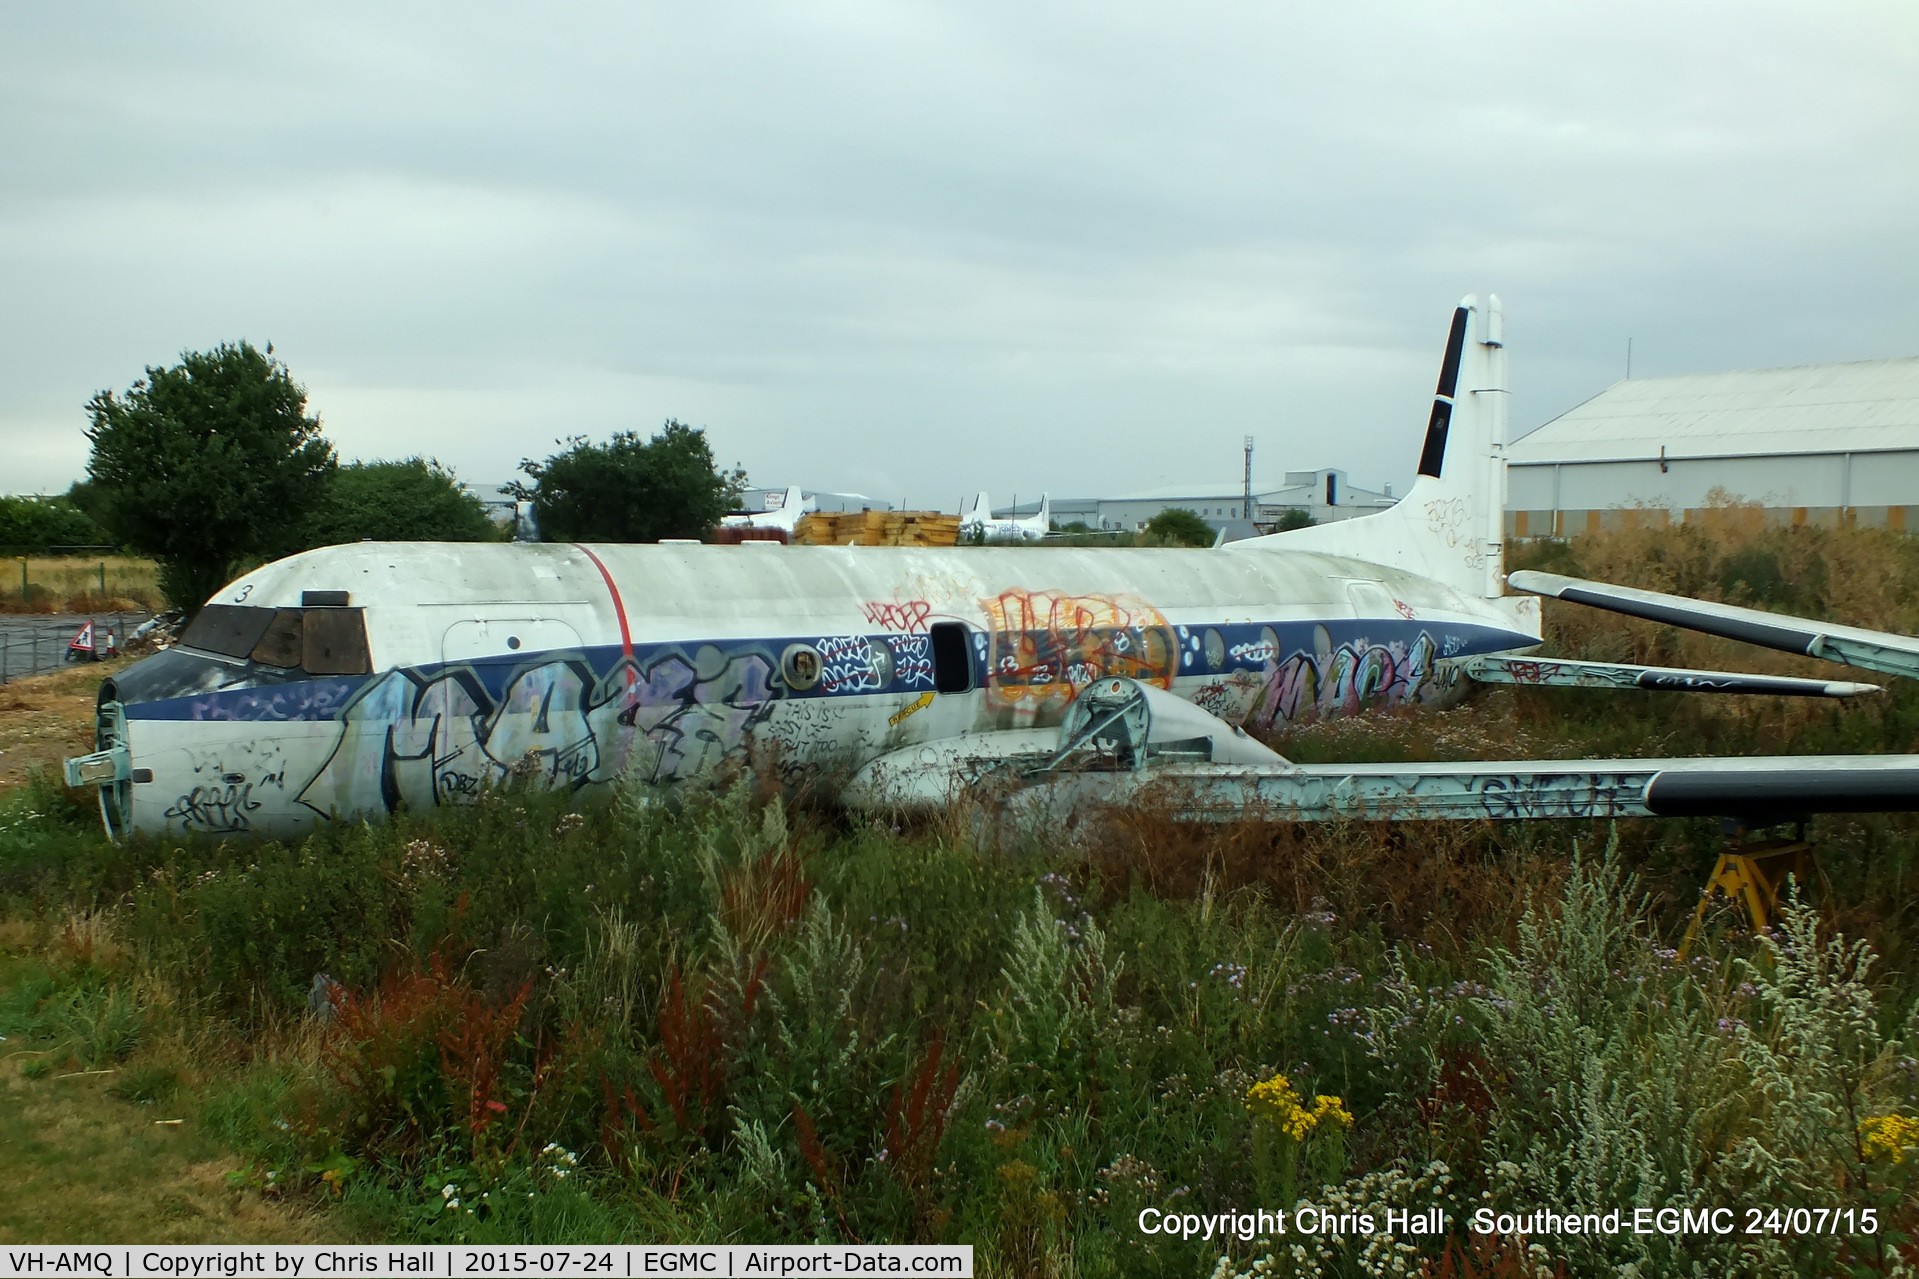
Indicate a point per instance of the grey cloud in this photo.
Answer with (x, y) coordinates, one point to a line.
(921, 250)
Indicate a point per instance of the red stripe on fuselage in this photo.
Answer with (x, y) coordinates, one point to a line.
(619, 607)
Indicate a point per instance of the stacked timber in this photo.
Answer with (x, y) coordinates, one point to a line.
(878, 528)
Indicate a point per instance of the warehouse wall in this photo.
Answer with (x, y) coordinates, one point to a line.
(1870, 489)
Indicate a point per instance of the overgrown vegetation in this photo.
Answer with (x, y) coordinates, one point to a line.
(709, 1016)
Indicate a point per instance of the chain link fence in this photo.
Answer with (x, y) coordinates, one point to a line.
(32, 644)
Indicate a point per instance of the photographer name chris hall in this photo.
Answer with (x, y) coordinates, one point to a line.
(1400, 1222)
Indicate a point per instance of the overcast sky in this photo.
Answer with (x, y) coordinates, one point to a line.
(918, 250)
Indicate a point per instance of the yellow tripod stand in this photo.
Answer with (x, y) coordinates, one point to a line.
(1754, 874)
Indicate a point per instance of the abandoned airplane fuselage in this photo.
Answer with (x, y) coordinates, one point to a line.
(354, 680)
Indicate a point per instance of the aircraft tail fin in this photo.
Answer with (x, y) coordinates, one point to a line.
(1451, 525)
(1045, 512)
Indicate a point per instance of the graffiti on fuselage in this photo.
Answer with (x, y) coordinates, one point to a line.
(1045, 646)
(420, 738)
(1346, 679)
(428, 735)
(1328, 681)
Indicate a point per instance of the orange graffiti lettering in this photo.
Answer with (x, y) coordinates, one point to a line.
(1047, 645)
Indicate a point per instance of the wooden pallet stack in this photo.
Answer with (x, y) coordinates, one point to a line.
(878, 528)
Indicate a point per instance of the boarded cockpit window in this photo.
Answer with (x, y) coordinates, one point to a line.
(334, 642)
(281, 645)
(230, 630)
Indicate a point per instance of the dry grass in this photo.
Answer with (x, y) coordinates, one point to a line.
(1862, 577)
(45, 718)
(1439, 882)
(80, 584)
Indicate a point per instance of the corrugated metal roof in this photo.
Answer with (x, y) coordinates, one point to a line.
(1815, 408)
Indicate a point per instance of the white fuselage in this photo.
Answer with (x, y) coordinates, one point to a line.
(582, 664)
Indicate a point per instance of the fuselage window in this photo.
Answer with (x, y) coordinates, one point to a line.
(952, 662)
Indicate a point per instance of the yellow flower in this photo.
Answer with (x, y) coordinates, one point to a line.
(1275, 1094)
(1331, 1110)
(1274, 1101)
(1888, 1135)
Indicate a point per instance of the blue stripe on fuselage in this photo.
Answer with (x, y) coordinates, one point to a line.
(849, 673)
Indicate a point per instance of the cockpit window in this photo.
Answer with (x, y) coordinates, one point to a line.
(282, 643)
(319, 641)
(334, 642)
(230, 630)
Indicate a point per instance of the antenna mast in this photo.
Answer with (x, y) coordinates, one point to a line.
(1247, 509)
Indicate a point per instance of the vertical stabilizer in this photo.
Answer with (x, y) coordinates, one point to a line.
(978, 517)
(1451, 525)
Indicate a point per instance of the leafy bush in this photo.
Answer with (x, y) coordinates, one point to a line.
(415, 500)
(36, 524)
(1177, 526)
(631, 490)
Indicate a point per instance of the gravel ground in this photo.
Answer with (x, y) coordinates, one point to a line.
(45, 718)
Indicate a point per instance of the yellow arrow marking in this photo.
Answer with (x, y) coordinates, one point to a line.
(919, 703)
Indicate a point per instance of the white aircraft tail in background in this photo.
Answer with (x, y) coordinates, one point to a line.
(1451, 525)
(785, 516)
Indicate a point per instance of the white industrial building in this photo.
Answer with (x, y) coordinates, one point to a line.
(1326, 495)
(1822, 443)
(763, 499)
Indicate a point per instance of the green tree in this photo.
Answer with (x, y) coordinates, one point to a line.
(416, 500)
(206, 464)
(629, 489)
(1294, 517)
(37, 523)
(1177, 526)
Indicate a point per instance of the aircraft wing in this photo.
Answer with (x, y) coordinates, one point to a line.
(1848, 645)
(1126, 743)
(1565, 673)
(1760, 791)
